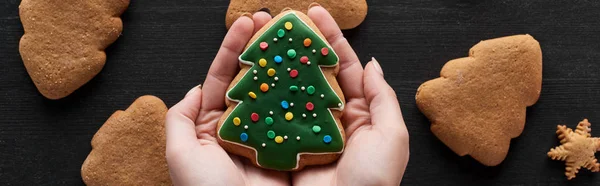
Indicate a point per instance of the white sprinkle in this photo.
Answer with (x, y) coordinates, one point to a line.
(276, 79)
(275, 39)
(289, 69)
(339, 104)
(255, 78)
(322, 95)
(254, 71)
(308, 63)
(298, 138)
(271, 112)
(290, 39)
(314, 51)
(303, 115)
(302, 88)
(273, 84)
(314, 115)
(285, 137)
(291, 104)
(264, 145)
(245, 126)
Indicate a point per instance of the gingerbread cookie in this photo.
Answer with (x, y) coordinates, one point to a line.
(129, 149)
(348, 14)
(478, 104)
(577, 149)
(284, 105)
(64, 41)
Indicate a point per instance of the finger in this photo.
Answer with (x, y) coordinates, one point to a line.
(383, 103)
(225, 66)
(350, 68)
(260, 19)
(180, 119)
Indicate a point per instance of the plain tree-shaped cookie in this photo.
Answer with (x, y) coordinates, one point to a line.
(577, 149)
(479, 103)
(64, 41)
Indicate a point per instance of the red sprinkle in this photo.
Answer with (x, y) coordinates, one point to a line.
(324, 51)
(254, 117)
(303, 59)
(264, 45)
(310, 106)
(294, 73)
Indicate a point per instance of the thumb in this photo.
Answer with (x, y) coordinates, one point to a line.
(181, 119)
(383, 104)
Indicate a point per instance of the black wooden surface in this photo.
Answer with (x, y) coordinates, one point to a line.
(167, 47)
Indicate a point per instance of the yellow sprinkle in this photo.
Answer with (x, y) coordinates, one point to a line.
(271, 72)
(262, 62)
(288, 25)
(289, 116)
(252, 95)
(279, 139)
(237, 121)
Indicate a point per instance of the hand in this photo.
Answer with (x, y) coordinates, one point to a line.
(376, 151)
(193, 154)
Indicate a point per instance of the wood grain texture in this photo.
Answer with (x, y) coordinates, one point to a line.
(167, 46)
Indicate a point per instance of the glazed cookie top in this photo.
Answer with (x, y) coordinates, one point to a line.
(284, 99)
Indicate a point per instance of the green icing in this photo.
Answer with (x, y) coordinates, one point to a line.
(283, 156)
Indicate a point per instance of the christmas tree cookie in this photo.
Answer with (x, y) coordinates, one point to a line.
(284, 106)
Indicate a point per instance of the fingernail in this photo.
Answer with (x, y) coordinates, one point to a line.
(377, 66)
(193, 90)
(313, 5)
(247, 14)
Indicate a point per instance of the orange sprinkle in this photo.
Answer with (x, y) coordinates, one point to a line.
(264, 87)
(307, 42)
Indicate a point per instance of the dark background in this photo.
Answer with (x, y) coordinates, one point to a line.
(167, 47)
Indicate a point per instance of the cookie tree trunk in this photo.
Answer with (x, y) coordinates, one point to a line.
(284, 98)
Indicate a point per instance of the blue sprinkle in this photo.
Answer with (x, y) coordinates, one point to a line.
(278, 59)
(285, 105)
(244, 137)
(327, 139)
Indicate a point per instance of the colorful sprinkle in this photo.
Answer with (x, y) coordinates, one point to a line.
(310, 90)
(254, 117)
(264, 145)
(288, 25)
(298, 138)
(271, 72)
(291, 53)
(252, 95)
(307, 42)
(293, 88)
(269, 121)
(278, 59)
(271, 134)
(264, 87)
(316, 128)
(303, 59)
(327, 139)
(280, 33)
(278, 139)
(284, 104)
(264, 45)
(310, 106)
(237, 121)
(289, 116)
(294, 73)
(262, 62)
(324, 51)
(244, 137)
